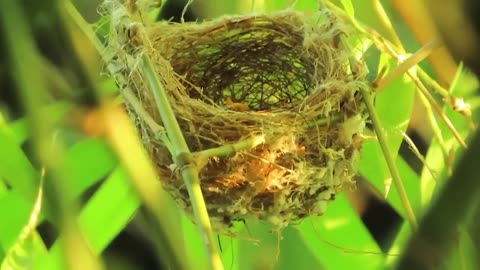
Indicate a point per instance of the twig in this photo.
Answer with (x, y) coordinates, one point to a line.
(433, 83)
(411, 61)
(438, 231)
(417, 153)
(389, 159)
(154, 127)
(382, 139)
(124, 141)
(437, 109)
(437, 132)
(230, 149)
(390, 49)
(386, 23)
(184, 161)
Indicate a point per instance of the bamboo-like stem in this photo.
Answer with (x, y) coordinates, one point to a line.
(386, 23)
(184, 161)
(437, 132)
(158, 130)
(389, 159)
(128, 95)
(230, 149)
(125, 143)
(382, 139)
(84, 27)
(433, 83)
(410, 62)
(437, 109)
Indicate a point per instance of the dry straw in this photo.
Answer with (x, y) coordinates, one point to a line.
(267, 103)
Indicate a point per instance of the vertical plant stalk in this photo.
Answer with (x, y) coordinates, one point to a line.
(410, 62)
(25, 66)
(437, 109)
(389, 159)
(438, 232)
(125, 143)
(382, 139)
(184, 162)
(386, 23)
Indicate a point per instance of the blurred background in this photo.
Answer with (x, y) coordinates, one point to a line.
(362, 227)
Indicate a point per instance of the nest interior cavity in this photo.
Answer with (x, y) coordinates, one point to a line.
(279, 82)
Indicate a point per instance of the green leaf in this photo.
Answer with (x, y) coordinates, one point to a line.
(16, 209)
(294, 253)
(348, 6)
(258, 247)
(463, 256)
(15, 167)
(28, 245)
(19, 129)
(193, 243)
(109, 210)
(103, 218)
(393, 105)
(465, 87)
(340, 240)
(87, 162)
(24, 254)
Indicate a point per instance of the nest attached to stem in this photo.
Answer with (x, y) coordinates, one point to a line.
(280, 81)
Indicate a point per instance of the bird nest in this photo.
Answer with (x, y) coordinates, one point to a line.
(266, 102)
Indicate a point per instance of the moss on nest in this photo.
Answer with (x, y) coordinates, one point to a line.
(280, 79)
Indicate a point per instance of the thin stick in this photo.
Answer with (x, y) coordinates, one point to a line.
(411, 61)
(183, 161)
(438, 233)
(433, 83)
(389, 159)
(154, 127)
(417, 153)
(437, 132)
(433, 103)
(230, 149)
(437, 109)
(124, 141)
(386, 23)
(382, 139)
(388, 48)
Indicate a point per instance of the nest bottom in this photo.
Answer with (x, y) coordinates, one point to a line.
(284, 176)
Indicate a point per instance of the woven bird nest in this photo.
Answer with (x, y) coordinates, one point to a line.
(279, 83)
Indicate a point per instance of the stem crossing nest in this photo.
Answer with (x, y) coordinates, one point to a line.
(267, 103)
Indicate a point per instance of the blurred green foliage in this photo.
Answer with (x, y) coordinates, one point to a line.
(107, 202)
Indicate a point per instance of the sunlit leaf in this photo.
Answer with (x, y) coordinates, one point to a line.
(348, 6)
(15, 167)
(339, 239)
(87, 162)
(393, 106)
(105, 215)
